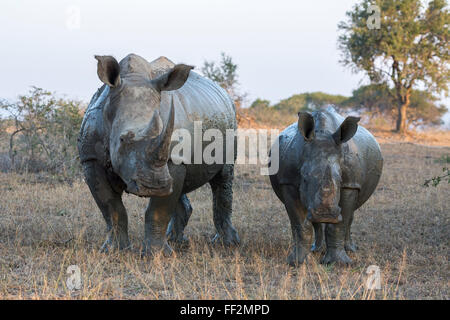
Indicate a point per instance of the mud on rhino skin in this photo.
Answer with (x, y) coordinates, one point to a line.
(125, 145)
(328, 167)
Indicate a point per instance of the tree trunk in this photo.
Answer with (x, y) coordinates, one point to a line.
(401, 118)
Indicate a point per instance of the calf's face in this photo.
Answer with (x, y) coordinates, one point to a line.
(320, 172)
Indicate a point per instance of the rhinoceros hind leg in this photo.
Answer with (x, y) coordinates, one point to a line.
(335, 234)
(222, 190)
(319, 243)
(179, 220)
(109, 201)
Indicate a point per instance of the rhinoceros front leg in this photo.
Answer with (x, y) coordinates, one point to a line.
(109, 201)
(180, 218)
(301, 227)
(319, 242)
(349, 245)
(222, 190)
(158, 214)
(335, 234)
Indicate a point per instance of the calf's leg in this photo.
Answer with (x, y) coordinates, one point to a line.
(335, 233)
(301, 227)
(349, 245)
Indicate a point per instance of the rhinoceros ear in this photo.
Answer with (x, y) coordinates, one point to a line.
(173, 79)
(108, 70)
(347, 130)
(306, 125)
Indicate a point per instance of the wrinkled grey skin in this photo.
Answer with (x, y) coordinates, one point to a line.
(125, 144)
(328, 167)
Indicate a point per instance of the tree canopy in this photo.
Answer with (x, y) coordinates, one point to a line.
(225, 74)
(309, 101)
(43, 131)
(409, 50)
(377, 99)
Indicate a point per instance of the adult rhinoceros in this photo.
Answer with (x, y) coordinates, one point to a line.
(125, 145)
(328, 167)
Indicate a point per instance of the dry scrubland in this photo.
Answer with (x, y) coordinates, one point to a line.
(403, 228)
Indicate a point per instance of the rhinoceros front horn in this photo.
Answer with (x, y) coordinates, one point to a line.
(155, 126)
(166, 136)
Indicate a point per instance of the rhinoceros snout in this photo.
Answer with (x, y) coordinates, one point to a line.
(139, 189)
(328, 216)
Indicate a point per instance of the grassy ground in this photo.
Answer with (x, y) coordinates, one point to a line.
(403, 228)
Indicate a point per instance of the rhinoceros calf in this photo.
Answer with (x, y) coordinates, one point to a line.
(125, 145)
(328, 167)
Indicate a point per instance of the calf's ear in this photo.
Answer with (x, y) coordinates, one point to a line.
(306, 125)
(173, 79)
(346, 130)
(108, 70)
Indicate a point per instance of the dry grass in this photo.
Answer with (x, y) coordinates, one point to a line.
(403, 228)
(428, 137)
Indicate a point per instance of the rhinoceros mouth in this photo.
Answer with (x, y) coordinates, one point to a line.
(142, 190)
(325, 217)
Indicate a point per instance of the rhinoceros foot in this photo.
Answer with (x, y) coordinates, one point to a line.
(350, 246)
(154, 249)
(230, 238)
(338, 256)
(180, 241)
(317, 248)
(115, 243)
(297, 256)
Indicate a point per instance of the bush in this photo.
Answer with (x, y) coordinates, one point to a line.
(42, 132)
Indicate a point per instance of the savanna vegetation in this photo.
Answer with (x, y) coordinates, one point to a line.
(49, 220)
(41, 131)
(46, 226)
(410, 50)
(374, 102)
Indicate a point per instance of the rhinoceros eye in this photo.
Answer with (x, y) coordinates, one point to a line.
(127, 137)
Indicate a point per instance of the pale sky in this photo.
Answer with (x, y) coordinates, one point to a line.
(281, 47)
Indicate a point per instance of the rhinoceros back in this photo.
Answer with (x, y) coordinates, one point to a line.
(203, 101)
(199, 99)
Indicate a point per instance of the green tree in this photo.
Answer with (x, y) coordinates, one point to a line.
(225, 74)
(260, 104)
(293, 104)
(310, 101)
(44, 131)
(424, 109)
(378, 100)
(409, 50)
